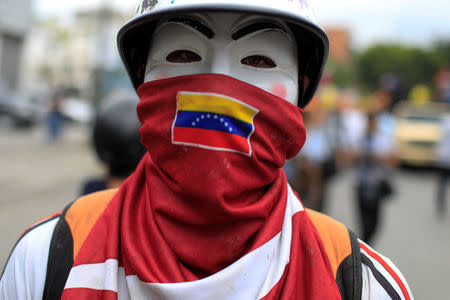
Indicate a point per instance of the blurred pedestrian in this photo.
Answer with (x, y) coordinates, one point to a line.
(373, 176)
(55, 118)
(443, 165)
(348, 124)
(116, 141)
(383, 103)
(316, 153)
(442, 85)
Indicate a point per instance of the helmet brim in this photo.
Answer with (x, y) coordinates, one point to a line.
(134, 39)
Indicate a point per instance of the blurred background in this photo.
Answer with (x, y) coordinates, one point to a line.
(380, 121)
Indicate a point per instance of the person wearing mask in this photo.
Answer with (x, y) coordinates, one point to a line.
(314, 156)
(208, 213)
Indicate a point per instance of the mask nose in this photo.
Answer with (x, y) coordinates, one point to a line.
(220, 62)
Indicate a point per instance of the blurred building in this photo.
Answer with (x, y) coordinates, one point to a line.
(106, 68)
(56, 55)
(15, 22)
(75, 53)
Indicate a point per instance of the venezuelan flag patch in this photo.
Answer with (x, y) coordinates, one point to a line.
(213, 121)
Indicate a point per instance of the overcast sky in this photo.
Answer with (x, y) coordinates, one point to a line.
(415, 22)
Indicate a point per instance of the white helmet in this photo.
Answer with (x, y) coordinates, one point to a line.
(134, 37)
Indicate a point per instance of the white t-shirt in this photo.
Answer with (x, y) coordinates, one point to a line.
(443, 147)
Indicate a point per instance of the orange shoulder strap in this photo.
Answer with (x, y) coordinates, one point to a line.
(83, 213)
(335, 237)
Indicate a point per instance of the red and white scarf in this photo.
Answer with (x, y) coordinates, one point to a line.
(208, 213)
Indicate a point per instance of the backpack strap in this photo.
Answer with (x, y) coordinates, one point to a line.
(60, 259)
(72, 229)
(349, 273)
(343, 252)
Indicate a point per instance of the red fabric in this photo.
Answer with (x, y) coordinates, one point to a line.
(215, 139)
(309, 274)
(188, 212)
(80, 293)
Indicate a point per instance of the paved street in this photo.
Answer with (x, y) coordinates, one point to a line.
(37, 179)
(411, 236)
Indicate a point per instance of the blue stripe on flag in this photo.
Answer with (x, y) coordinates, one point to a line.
(211, 121)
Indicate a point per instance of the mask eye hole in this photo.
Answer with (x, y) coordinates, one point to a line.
(258, 61)
(183, 56)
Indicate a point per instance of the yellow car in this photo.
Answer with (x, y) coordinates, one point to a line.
(418, 130)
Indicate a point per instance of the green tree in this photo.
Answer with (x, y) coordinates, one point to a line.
(343, 75)
(412, 65)
(441, 52)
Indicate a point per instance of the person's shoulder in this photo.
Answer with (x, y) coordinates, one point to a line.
(358, 269)
(26, 268)
(91, 205)
(334, 234)
(339, 243)
(39, 234)
(381, 278)
(91, 202)
(342, 249)
(36, 234)
(81, 215)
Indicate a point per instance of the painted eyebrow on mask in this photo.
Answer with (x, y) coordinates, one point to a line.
(203, 29)
(255, 27)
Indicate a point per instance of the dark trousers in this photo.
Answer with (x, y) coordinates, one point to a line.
(444, 174)
(369, 213)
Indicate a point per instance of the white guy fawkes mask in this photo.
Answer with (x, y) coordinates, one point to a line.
(254, 49)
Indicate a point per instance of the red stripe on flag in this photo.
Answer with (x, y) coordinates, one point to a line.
(389, 269)
(211, 138)
(91, 294)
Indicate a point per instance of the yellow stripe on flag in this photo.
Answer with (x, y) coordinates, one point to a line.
(216, 104)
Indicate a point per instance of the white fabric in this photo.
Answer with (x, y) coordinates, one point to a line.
(251, 277)
(221, 54)
(385, 135)
(24, 276)
(100, 276)
(386, 123)
(353, 126)
(369, 281)
(381, 143)
(371, 288)
(443, 147)
(317, 146)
